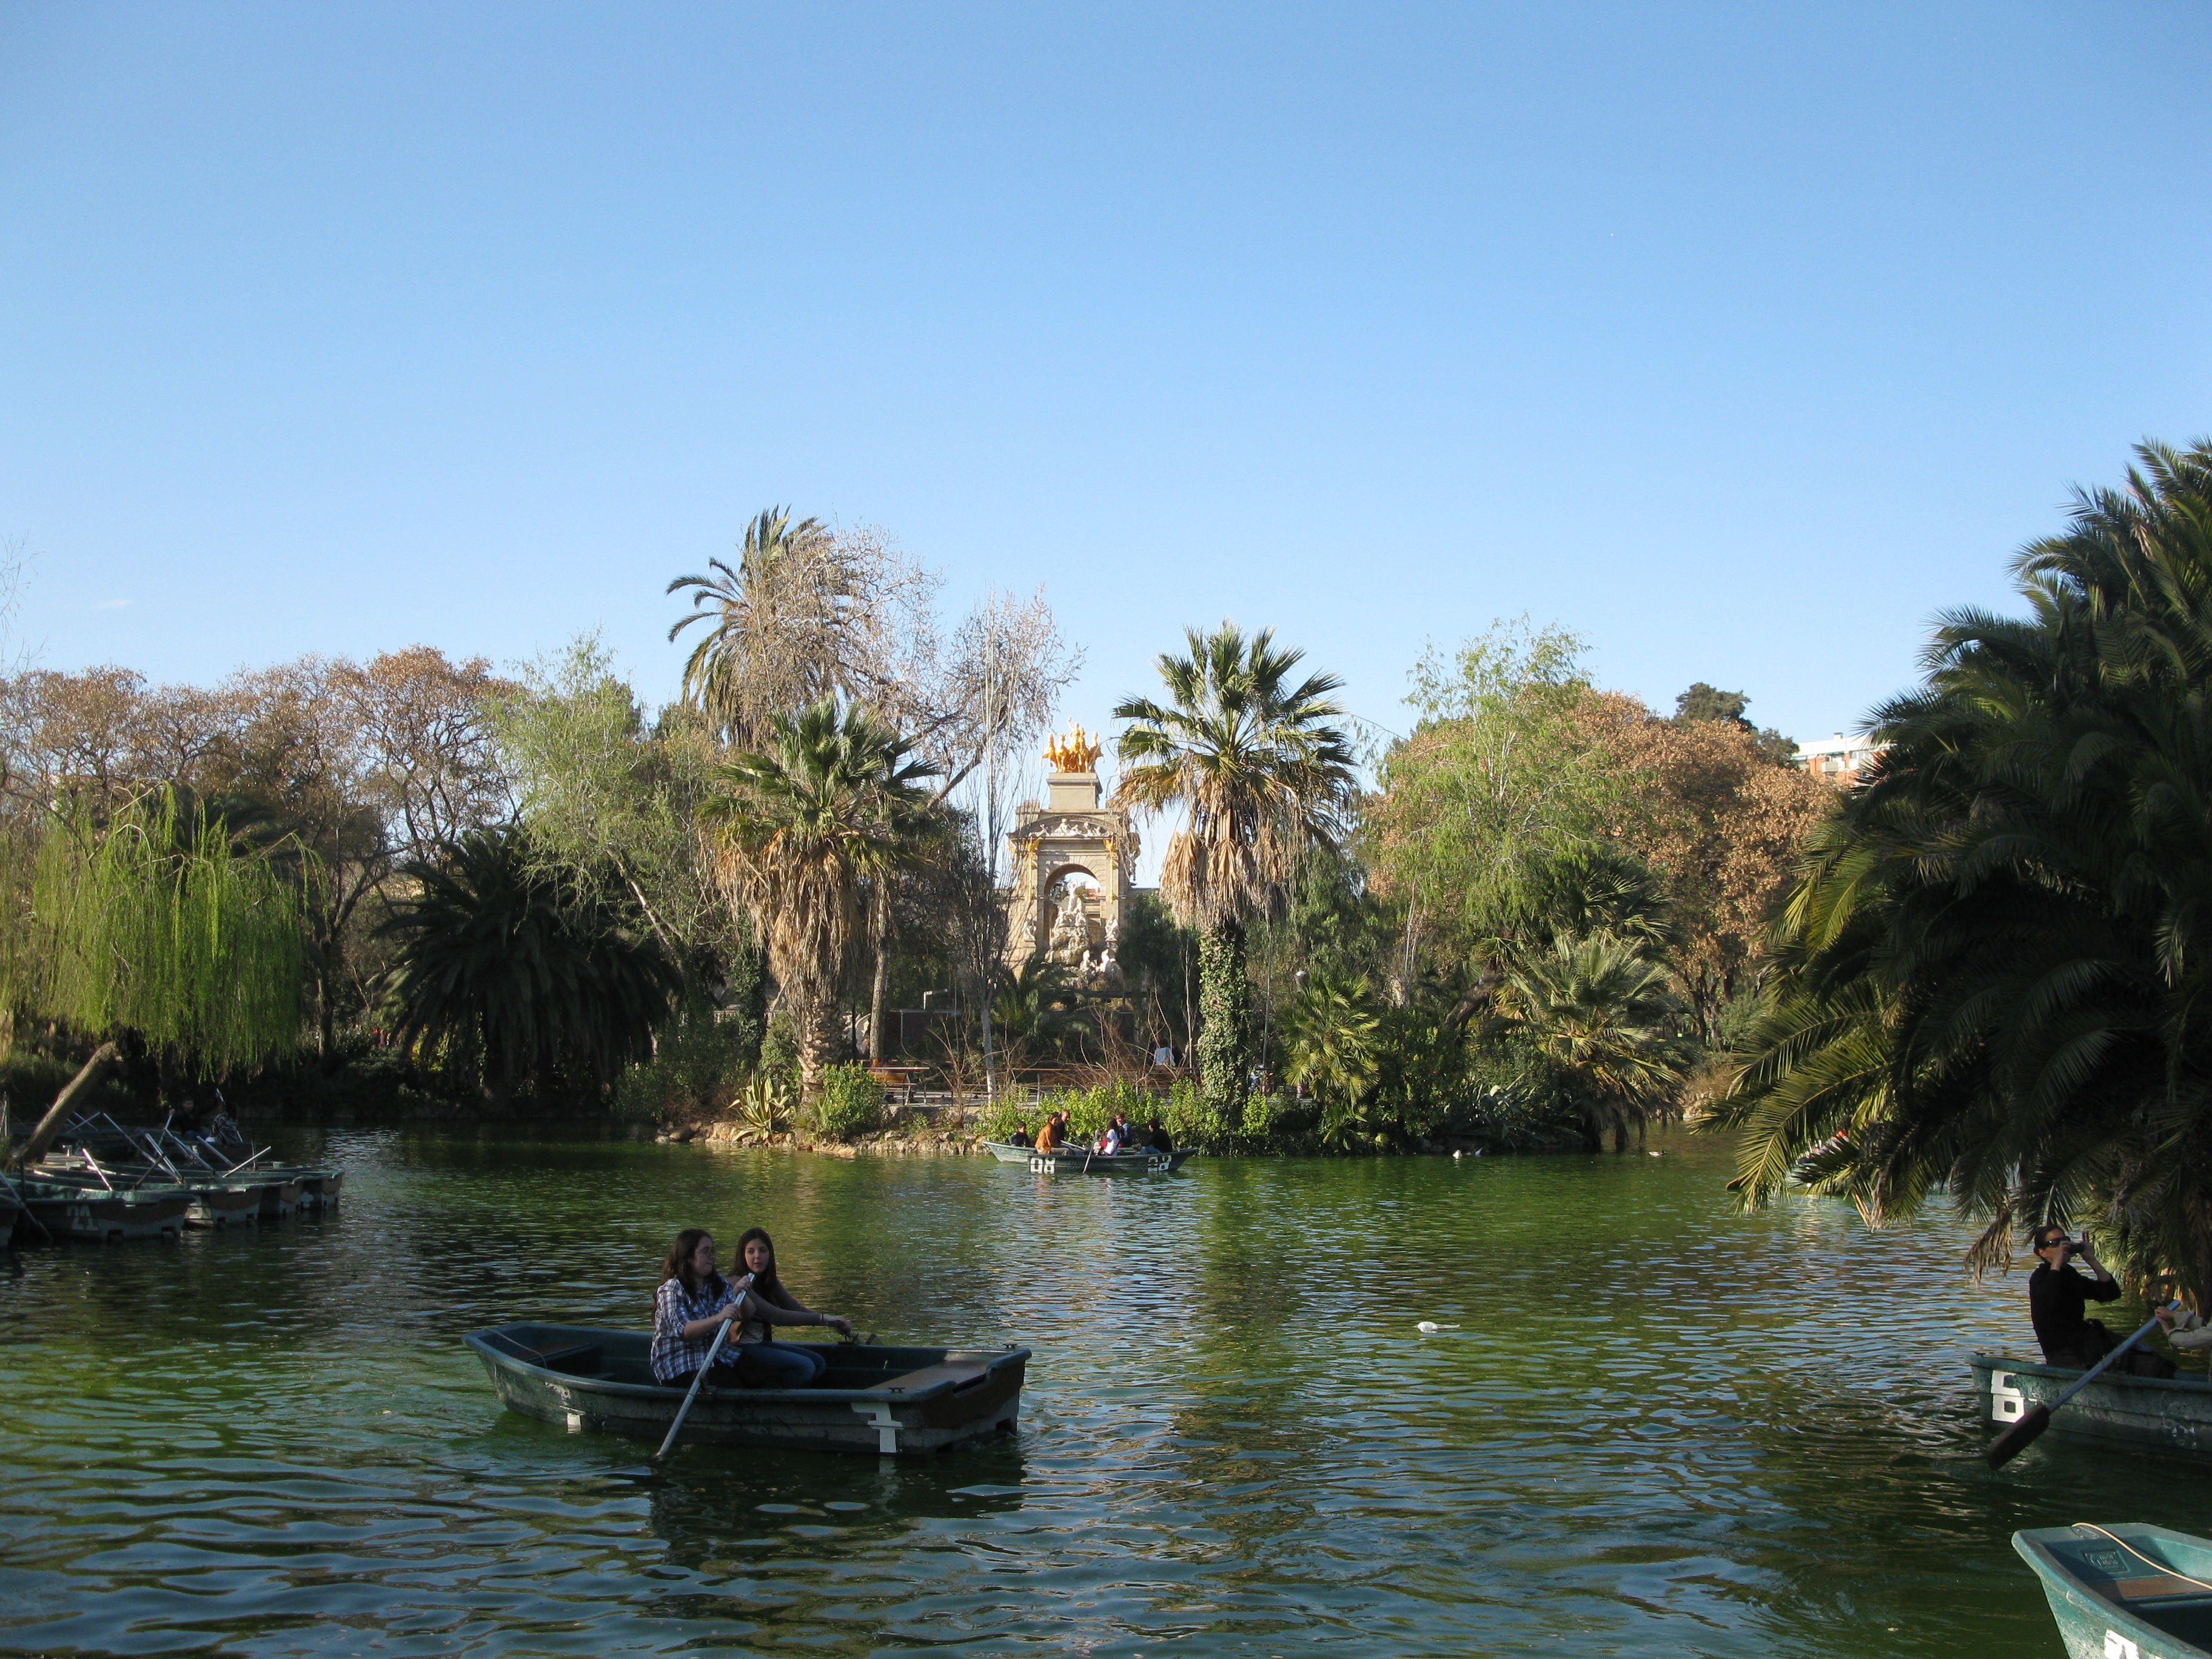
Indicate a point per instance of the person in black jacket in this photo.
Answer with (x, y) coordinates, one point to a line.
(2057, 1293)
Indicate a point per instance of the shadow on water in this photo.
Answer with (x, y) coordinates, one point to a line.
(1659, 1427)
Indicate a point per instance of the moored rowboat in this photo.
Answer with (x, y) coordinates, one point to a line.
(2149, 1413)
(1081, 1160)
(2126, 1590)
(68, 1210)
(872, 1399)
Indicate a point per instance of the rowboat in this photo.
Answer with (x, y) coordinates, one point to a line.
(873, 1399)
(2125, 1591)
(1081, 1160)
(225, 1203)
(2147, 1413)
(67, 1209)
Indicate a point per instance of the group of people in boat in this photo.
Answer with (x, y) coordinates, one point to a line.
(1120, 1136)
(2058, 1296)
(695, 1302)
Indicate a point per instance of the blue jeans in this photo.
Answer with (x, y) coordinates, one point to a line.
(776, 1364)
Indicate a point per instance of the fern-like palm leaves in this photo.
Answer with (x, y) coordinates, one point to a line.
(1992, 974)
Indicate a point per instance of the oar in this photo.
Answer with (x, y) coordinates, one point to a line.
(706, 1365)
(2035, 1419)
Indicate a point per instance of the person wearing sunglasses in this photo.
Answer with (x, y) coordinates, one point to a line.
(2057, 1295)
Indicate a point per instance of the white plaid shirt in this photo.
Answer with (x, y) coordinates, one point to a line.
(673, 1308)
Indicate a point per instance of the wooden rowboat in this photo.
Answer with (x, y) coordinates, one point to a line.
(2147, 1413)
(2126, 1590)
(1081, 1160)
(225, 1203)
(878, 1399)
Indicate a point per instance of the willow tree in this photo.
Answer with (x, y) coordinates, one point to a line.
(160, 921)
(1246, 753)
(803, 834)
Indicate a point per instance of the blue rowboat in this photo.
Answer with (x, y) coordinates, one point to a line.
(1081, 1160)
(2125, 1590)
(886, 1401)
(2146, 1413)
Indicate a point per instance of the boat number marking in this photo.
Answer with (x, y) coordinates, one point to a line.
(1037, 1166)
(1154, 1165)
(2007, 1403)
(885, 1425)
(2118, 1646)
(575, 1422)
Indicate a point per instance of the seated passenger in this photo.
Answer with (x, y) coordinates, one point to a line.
(762, 1362)
(694, 1301)
(1157, 1138)
(2057, 1295)
(1116, 1135)
(1052, 1134)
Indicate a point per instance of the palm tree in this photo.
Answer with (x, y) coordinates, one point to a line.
(1249, 758)
(1993, 972)
(805, 833)
(1334, 1030)
(767, 621)
(1604, 1021)
(522, 974)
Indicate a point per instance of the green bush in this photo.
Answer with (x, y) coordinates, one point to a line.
(698, 1066)
(851, 1103)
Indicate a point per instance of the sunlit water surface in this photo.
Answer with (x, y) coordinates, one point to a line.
(1659, 1427)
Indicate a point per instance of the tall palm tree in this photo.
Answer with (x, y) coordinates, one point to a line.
(767, 621)
(1247, 754)
(522, 974)
(1995, 973)
(803, 833)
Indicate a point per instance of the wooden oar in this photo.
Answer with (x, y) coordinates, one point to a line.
(708, 1365)
(2035, 1419)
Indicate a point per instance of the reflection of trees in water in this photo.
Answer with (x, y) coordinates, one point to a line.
(710, 1504)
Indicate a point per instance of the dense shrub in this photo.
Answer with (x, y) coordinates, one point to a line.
(851, 1103)
(697, 1067)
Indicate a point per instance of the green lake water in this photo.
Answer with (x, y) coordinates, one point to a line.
(1662, 1427)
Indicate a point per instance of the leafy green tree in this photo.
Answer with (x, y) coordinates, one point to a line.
(1509, 769)
(1334, 1035)
(1994, 972)
(1247, 754)
(528, 979)
(772, 622)
(1703, 702)
(165, 920)
(801, 831)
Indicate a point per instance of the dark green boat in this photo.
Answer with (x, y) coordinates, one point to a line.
(2126, 1590)
(886, 1401)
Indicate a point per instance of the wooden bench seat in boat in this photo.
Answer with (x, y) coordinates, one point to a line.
(928, 1376)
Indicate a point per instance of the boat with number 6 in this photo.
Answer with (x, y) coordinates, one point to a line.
(1081, 1160)
(2149, 1413)
(2126, 1590)
(887, 1400)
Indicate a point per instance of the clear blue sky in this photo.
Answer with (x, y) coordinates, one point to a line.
(1739, 339)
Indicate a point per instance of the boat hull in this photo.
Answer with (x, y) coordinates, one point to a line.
(94, 1217)
(10, 1212)
(1076, 1160)
(2122, 1591)
(233, 1204)
(909, 1401)
(2147, 1414)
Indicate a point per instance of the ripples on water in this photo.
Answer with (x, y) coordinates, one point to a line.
(1662, 1428)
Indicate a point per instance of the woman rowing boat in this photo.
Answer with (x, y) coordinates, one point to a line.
(693, 1299)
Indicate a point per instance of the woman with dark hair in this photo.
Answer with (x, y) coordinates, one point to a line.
(779, 1365)
(692, 1301)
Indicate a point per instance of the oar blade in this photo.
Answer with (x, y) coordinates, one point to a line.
(2021, 1435)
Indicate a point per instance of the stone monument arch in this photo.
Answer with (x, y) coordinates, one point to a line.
(1074, 866)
